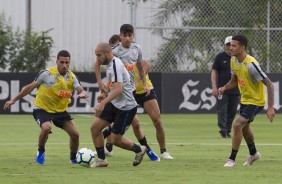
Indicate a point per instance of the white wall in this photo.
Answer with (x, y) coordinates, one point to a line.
(78, 25)
(16, 10)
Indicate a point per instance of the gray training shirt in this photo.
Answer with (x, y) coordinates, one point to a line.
(130, 56)
(116, 72)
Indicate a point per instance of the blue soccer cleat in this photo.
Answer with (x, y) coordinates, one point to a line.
(74, 161)
(40, 157)
(153, 156)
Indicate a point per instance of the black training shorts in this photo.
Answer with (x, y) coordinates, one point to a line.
(142, 98)
(58, 119)
(249, 111)
(121, 119)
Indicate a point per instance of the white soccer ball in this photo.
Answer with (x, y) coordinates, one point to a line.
(85, 157)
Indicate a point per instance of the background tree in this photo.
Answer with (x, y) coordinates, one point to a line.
(21, 51)
(6, 37)
(187, 48)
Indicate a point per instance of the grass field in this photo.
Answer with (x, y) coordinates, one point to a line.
(193, 140)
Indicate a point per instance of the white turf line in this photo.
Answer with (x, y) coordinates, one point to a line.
(185, 144)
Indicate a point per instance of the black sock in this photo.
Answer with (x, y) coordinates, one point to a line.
(109, 147)
(100, 152)
(163, 150)
(135, 148)
(143, 142)
(252, 148)
(107, 132)
(41, 148)
(72, 156)
(233, 154)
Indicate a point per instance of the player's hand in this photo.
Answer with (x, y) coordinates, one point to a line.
(101, 97)
(103, 88)
(270, 114)
(98, 109)
(83, 95)
(8, 104)
(146, 90)
(221, 90)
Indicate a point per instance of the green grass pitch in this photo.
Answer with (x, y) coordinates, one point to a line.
(193, 140)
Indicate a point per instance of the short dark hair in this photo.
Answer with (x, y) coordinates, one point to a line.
(241, 39)
(115, 38)
(63, 53)
(126, 28)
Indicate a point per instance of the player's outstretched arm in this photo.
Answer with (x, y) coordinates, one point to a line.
(26, 90)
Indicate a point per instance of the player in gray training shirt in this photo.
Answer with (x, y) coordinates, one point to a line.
(116, 72)
(129, 56)
(117, 106)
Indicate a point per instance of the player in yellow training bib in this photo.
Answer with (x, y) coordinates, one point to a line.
(55, 88)
(247, 74)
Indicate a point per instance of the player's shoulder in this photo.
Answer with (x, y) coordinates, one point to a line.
(135, 45)
(46, 71)
(43, 73)
(71, 73)
(234, 61)
(117, 62)
(251, 59)
(116, 59)
(116, 46)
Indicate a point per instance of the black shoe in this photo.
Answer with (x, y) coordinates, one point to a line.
(228, 135)
(223, 134)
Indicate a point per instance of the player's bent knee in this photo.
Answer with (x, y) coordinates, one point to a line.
(93, 130)
(46, 127)
(135, 126)
(75, 135)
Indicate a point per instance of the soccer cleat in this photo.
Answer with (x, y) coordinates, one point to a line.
(166, 155)
(74, 161)
(223, 134)
(229, 163)
(153, 156)
(108, 153)
(252, 158)
(139, 156)
(100, 163)
(40, 157)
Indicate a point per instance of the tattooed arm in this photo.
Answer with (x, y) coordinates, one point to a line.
(270, 92)
(81, 93)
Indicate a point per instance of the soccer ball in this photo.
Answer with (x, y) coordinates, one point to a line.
(85, 157)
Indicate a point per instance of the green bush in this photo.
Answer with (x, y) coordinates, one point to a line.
(22, 51)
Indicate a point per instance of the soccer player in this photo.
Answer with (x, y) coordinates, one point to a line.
(228, 103)
(247, 74)
(131, 55)
(55, 88)
(117, 106)
(113, 41)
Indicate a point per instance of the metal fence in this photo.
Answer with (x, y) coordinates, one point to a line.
(193, 31)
